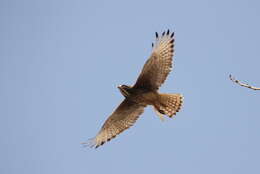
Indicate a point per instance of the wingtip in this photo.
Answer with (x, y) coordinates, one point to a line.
(172, 34)
(156, 34)
(163, 33)
(168, 32)
(89, 143)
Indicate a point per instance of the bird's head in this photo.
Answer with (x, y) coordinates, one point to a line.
(124, 89)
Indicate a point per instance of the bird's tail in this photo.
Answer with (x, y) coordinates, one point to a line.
(168, 104)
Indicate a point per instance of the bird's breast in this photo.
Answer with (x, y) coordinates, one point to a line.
(145, 98)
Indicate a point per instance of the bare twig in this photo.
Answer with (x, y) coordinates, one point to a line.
(243, 84)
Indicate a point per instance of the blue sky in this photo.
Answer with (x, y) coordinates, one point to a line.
(60, 63)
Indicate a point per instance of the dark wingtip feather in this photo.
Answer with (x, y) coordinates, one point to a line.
(152, 44)
(172, 34)
(156, 34)
(163, 33)
(168, 31)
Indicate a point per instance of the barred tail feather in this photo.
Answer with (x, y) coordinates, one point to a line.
(169, 104)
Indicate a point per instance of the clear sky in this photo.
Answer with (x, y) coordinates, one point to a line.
(60, 63)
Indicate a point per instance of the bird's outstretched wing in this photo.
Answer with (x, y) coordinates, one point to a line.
(121, 119)
(158, 66)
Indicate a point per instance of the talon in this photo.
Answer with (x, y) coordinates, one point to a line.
(162, 112)
(160, 115)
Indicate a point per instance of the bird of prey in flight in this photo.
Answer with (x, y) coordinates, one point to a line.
(144, 92)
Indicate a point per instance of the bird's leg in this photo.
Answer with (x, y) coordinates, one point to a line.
(159, 114)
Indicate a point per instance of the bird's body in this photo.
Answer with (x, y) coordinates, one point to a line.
(139, 95)
(144, 92)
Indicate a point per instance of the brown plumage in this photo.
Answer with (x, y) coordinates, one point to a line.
(143, 93)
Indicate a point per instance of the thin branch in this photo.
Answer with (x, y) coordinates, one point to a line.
(243, 84)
